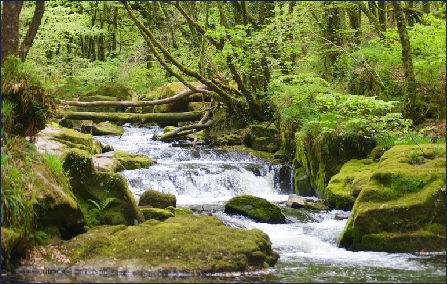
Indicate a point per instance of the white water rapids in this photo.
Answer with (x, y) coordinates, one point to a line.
(306, 244)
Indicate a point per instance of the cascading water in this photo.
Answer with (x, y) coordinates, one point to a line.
(306, 243)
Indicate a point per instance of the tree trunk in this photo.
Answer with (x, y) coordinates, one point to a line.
(333, 25)
(355, 22)
(32, 30)
(407, 61)
(409, 13)
(133, 117)
(10, 28)
(382, 15)
(169, 100)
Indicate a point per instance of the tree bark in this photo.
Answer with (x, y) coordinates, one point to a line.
(382, 14)
(355, 22)
(133, 117)
(407, 61)
(32, 30)
(10, 28)
(169, 100)
(372, 18)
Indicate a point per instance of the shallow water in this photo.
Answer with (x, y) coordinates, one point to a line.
(204, 178)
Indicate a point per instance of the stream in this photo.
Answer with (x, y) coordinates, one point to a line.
(203, 178)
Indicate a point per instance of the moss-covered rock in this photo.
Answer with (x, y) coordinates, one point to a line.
(301, 183)
(402, 206)
(103, 128)
(194, 244)
(230, 138)
(157, 199)
(89, 184)
(264, 137)
(156, 213)
(132, 161)
(116, 161)
(56, 139)
(169, 90)
(55, 205)
(322, 153)
(344, 187)
(256, 208)
(179, 211)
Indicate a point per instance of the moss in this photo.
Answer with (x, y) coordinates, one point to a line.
(119, 161)
(301, 183)
(344, 187)
(322, 153)
(263, 137)
(404, 242)
(398, 203)
(198, 106)
(156, 213)
(157, 199)
(55, 204)
(131, 161)
(169, 90)
(74, 139)
(10, 240)
(87, 183)
(194, 244)
(103, 128)
(255, 208)
(179, 211)
(229, 138)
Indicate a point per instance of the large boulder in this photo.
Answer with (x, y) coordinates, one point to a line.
(103, 128)
(256, 208)
(157, 199)
(189, 244)
(344, 187)
(56, 140)
(104, 196)
(169, 90)
(55, 204)
(401, 208)
(116, 161)
(323, 153)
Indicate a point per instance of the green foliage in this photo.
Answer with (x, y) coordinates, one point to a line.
(25, 102)
(307, 101)
(375, 68)
(17, 192)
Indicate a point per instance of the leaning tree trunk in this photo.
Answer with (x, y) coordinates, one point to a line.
(32, 30)
(407, 61)
(10, 28)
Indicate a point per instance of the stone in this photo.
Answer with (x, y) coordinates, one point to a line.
(401, 208)
(256, 208)
(157, 199)
(102, 188)
(187, 244)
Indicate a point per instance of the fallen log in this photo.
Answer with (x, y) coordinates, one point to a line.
(169, 100)
(187, 129)
(120, 117)
(184, 130)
